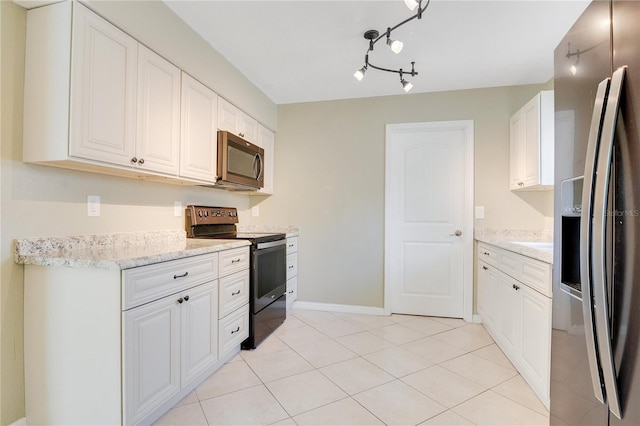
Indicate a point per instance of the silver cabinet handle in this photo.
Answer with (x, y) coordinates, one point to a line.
(601, 276)
(456, 234)
(586, 236)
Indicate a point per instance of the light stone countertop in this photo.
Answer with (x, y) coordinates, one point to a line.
(289, 230)
(505, 238)
(115, 251)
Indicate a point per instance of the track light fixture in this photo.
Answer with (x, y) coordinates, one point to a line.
(395, 45)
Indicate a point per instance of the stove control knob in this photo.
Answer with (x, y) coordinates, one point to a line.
(199, 213)
(206, 213)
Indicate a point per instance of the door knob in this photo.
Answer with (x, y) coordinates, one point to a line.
(457, 233)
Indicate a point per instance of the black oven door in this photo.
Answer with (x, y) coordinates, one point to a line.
(269, 273)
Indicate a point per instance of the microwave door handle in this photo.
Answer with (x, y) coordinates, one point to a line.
(586, 237)
(602, 278)
(258, 166)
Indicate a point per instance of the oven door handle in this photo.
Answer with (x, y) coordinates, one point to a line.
(270, 244)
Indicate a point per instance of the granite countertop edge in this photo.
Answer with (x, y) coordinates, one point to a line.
(115, 251)
(504, 239)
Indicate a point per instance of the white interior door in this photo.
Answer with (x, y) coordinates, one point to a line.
(428, 249)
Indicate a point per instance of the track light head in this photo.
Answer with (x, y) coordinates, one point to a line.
(395, 45)
(406, 85)
(359, 75)
(411, 4)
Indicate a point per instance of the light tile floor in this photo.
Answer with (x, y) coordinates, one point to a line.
(323, 368)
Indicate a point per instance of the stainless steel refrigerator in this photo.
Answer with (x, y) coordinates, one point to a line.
(595, 355)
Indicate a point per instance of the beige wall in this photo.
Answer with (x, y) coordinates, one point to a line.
(44, 201)
(330, 180)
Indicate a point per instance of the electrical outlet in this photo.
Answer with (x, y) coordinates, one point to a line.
(177, 208)
(93, 205)
(479, 212)
(255, 211)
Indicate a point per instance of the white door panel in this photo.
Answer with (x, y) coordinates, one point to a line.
(427, 201)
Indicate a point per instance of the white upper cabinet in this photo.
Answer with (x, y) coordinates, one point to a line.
(266, 141)
(158, 118)
(199, 142)
(532, 144)
(233, 120)
(103, 90)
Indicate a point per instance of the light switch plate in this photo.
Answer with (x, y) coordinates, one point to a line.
(177, 208)
(255, 211)
(93, 205)
(479, 212)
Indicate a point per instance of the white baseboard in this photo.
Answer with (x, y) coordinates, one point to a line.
(332, 307)
(477, 319)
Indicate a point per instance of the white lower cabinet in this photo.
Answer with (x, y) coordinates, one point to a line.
(105, 346)
(517, 315)
(151, 357)
(292, 271)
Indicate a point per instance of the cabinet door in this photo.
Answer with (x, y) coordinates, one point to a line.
(509, 301)
(516, 153)
(103, 90)
(199, 140)
(232, 119)
(199, 323)
(158, 119)
(151, 353)
(530, 162)
(248, 128)
(536, 339)
(266, 140)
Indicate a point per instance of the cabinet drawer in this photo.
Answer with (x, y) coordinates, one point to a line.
(537, 275)
(233, 260)
(151, 282)
(292, 265)
(292, 245)
(488, 254)
(234, 292)
(292, 291)
(232, 330)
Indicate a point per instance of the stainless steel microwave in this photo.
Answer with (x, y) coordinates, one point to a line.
(240, 163)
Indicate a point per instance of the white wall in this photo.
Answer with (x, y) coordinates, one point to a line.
(330, 181)
(44, 201)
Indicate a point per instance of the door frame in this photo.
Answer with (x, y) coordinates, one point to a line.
(468, 224)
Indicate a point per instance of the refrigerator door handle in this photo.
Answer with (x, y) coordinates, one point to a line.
(601, 276)
(586, 236)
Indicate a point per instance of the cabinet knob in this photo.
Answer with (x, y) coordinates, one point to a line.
(485, 268)
(486, 253)
(241, 135)
(141, 161)
(134, 160)
(516, 287)
(180, 300)
(186, 298)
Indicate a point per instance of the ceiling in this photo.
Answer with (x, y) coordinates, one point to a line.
(305, 50)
